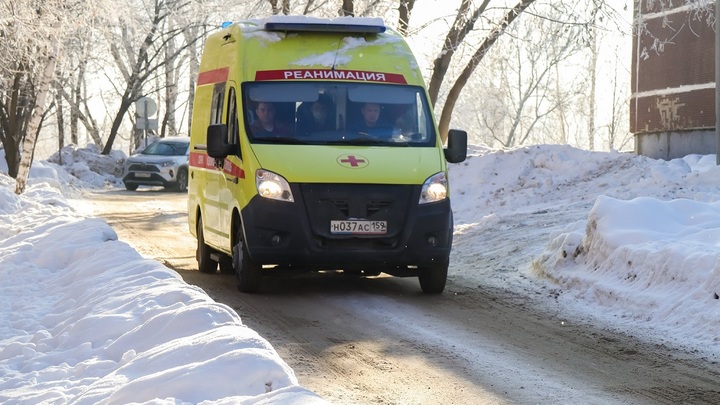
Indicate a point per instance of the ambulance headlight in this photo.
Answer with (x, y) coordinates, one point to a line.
(434, 189)
(274, 186)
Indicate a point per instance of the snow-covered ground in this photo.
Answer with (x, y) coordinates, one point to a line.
(84, 319)
(624, 241)
(614, 239)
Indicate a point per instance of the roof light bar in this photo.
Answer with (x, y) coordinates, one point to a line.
(323, 27)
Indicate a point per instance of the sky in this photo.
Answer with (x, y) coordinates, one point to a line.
(611, 239)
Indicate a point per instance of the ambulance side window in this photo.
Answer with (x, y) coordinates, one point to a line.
(216, 110)
(232, 119)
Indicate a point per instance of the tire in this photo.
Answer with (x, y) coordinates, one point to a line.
(247, 271)
(131, 187)
(182, 180)
(205, 263)
(433, 278)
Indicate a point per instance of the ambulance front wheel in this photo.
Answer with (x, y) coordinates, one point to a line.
(206, 264)
(433, 278)
(246, 270)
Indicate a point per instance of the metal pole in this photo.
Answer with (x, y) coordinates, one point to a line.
(147, 125)
(717, 81)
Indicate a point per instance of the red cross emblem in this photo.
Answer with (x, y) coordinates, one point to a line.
(352, 161)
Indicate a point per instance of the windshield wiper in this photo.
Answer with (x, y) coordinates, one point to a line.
(280, 139)
(366, 141)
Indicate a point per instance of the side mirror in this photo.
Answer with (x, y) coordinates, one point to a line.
(456, 150)
(216, 145)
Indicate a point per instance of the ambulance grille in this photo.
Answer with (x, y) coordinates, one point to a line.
(374, 206)
(376, 202)
(342, 205)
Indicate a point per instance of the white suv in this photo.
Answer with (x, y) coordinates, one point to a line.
(162, 163)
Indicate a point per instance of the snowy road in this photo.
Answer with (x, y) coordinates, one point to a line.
(380, 340)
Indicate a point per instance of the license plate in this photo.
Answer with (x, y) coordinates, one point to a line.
(142, 174)
(358, 227)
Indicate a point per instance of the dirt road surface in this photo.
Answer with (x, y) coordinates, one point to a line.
(381, 341)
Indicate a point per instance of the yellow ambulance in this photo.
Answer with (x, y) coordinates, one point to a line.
(314, 148)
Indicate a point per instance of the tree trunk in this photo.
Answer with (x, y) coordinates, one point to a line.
(12, 155)
(125, 104)
(561, 110)
(171, 86)
(348, 8)
(77, 97)
(462, 26)
(404, 11)
(35, 121)
(16, 114)
(591, 98)
(91, 126)
(194, 69)
(462, 80)
(60, 124)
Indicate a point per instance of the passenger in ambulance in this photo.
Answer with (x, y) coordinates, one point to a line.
(316, 117)
(372, 123)
(266, 124)
(404, 122)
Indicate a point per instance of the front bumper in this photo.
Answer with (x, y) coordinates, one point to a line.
(298, 234)
(151, 175)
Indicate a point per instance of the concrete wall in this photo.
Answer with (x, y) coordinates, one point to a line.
(673, 145)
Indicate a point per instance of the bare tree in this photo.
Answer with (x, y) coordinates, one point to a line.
(169, 125)
(32, 34)
(190, 35)
(20, 74)
(616, 128)
(592, 73)
(521, 97)
(488, 22)
(404, 12)
(71, 84)
(475, 59)
(34, 123)
(140, 61)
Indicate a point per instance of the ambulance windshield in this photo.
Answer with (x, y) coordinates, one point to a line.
(337, 113)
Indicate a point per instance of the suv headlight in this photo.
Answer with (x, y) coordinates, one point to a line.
(434, 189)
(274, 186)
(166, 163)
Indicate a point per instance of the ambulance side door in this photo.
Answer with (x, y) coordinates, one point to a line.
(214, 207)
(235, 170)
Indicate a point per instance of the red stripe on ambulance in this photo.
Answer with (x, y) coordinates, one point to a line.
(329, 74)
(213, 76)
(203, 161)
(233, 169)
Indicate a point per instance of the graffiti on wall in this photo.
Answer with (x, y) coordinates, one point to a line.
(668, 109)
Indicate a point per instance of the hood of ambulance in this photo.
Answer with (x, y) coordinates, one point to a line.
(386, 53)
(350, 164)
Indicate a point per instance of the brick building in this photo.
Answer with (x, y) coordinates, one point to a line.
(672, 106)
